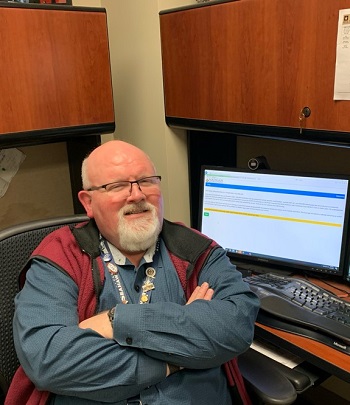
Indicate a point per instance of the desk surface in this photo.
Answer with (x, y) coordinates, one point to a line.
(333, 361)
(330, 360)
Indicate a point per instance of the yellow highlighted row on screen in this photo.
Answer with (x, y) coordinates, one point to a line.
(249, 214)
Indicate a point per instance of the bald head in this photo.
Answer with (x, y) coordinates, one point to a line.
(99, 167)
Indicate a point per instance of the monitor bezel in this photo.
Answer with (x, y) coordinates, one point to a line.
(267, 265)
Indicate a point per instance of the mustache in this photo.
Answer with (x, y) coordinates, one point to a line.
(136, 208)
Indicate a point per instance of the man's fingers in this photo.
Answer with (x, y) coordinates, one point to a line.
(209, 294)
(201, 292)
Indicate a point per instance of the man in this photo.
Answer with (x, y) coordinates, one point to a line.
(103, 316)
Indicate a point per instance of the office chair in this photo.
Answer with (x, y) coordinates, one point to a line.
(266, 383)
(16, 245)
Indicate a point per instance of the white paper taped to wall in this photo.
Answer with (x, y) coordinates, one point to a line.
(10, 161)
(342, 65)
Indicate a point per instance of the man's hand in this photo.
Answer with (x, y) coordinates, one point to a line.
(201, 292)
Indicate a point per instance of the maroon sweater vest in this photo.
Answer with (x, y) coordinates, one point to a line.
(71, 249)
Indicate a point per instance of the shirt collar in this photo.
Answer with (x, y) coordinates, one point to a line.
(120, 259)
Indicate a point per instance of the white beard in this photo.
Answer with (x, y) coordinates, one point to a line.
(140, 234)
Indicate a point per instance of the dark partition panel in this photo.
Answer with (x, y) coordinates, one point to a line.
(207, 148)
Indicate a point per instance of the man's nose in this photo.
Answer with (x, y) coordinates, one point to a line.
(136, 191)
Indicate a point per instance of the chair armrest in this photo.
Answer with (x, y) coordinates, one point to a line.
(300, 380)
(265, 381)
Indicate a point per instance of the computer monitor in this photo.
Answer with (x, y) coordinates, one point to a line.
(288, 221)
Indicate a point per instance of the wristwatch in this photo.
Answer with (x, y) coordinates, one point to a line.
(110, 314)
(173, 369)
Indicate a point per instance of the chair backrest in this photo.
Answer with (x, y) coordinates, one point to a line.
(16, 245)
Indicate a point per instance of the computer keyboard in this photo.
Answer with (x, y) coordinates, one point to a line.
(299, 306)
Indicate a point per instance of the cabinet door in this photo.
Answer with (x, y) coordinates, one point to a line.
(55, 76)
(254, 62)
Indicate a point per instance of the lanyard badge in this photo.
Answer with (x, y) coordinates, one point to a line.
(148, 283)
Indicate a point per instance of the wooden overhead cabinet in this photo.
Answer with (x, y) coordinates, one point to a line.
(55, 75)
(254, 62)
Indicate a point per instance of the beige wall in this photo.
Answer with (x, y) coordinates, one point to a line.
(138, 93)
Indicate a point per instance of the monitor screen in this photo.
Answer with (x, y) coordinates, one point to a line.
(296, 222)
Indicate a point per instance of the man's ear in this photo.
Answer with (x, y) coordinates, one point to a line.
(85, 199)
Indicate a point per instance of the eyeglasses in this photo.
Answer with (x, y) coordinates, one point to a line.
(123, 186)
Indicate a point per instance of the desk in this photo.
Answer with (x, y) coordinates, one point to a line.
(330, 360)
(326, 358)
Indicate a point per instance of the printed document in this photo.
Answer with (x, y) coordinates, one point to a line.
(342, 65)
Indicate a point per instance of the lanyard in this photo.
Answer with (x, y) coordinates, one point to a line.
(148, 283)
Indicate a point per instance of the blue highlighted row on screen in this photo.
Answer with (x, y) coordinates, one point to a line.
(277, 190)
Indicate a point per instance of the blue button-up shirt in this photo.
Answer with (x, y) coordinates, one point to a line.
(81, 367)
